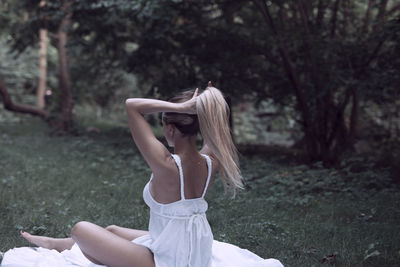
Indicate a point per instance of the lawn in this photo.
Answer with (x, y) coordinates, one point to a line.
(302, 215)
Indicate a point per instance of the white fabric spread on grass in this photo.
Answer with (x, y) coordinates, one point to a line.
(180, 236)
(223, 255)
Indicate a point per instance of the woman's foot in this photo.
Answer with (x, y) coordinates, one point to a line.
(58, 244)
(40, 241)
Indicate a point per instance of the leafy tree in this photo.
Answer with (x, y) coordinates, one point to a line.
(339, 52)
(17, 70)
(96, 31)
(323, 57)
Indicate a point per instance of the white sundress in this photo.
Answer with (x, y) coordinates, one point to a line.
(180, 236)
(179, 231)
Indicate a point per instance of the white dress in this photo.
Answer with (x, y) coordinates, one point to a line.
(179, 231)
(180, 236)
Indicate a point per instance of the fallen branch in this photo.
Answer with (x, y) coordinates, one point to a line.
(20, 108)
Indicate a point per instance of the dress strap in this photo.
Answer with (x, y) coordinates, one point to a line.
(209, 166)
(179, 164)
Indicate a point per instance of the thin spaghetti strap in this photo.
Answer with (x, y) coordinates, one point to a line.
(179, 164)
(209, 166)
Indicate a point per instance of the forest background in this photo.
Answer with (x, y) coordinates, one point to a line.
(314, 93)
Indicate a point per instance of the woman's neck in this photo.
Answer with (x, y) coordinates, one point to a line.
(185, 146)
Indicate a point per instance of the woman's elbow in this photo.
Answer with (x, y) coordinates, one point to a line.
(127, 101)
(130, 102)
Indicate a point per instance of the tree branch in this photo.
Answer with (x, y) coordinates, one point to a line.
(334, 18)
(346, 14)
(321, 124)
(368, 16)
(381, 15)
(382, 10)
(20, 108)
(292, 76)
(339, 116)
(352, 92)
(374, 53)
(321, 13)
(392, 10)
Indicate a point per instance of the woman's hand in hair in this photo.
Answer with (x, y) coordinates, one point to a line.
(190, 105)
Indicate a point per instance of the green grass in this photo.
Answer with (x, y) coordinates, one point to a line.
(297, 214)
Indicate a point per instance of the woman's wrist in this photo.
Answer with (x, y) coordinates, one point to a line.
(180, 107)
(165, 106)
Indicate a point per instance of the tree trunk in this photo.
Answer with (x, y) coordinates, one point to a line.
(64, 82)
(381, 14)
(341, 137)
(20, 108)
(42, 83)
(368, 16)
(354, 117)
(346, 14)
(41, 89)
(334, 18)
(294, 16)
(323, 98)
(320, 13)
(382, 10)
(355, 110)
(228, 100)
(325, 135)
(292, 76)
(281, 14)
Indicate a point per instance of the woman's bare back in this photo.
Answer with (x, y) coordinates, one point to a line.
(165, 187)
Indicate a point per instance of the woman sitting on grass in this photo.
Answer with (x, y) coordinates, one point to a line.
(179, 233)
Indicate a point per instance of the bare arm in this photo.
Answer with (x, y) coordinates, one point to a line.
(147, 106)
(153, 151)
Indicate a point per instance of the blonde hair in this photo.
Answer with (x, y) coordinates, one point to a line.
(213, 116)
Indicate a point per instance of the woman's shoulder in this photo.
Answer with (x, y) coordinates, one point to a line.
(214, 160)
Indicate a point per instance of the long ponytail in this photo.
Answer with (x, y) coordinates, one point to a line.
(213, 116)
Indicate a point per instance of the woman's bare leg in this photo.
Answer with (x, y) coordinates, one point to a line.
(126, 233)
(103, 246)
(59, 244)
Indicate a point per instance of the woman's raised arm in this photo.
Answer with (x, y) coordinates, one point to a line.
(153, 151)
